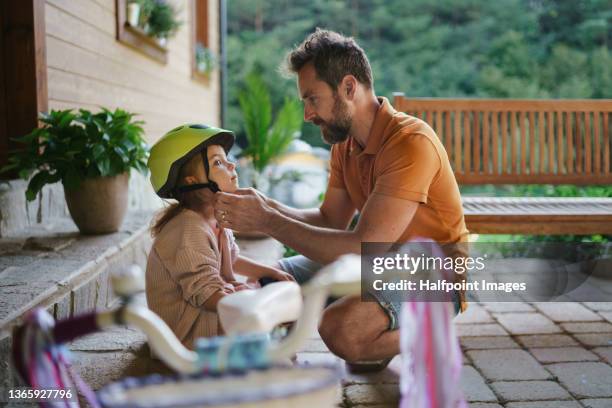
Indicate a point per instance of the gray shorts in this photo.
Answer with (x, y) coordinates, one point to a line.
(302, 269)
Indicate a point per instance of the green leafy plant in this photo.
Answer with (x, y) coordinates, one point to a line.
(161, 18)
(71, 147)
(206, 60)
(266, 140)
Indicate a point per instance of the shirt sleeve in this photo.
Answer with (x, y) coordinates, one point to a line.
(196, 271)
(336, 176)
(407, 168)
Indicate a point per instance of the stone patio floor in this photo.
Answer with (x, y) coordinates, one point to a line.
(516, 355)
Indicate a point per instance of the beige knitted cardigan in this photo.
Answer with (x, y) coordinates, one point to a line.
(189, 262)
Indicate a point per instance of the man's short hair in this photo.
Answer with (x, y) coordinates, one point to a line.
(334, 56)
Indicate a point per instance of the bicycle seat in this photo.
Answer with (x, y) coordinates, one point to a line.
(260, 310)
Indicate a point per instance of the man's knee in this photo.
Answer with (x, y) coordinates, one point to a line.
(348, 327)
(336, 334)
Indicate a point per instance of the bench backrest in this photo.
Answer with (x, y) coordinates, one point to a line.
(511, 141)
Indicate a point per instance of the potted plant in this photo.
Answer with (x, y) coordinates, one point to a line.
(92, 155)
(266, 140)
(205, 59)
(162, 22)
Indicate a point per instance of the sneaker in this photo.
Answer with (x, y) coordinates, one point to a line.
(360, 367)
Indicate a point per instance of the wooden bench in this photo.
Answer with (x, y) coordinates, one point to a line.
(502, 141)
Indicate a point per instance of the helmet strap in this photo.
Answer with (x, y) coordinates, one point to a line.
(211, 185)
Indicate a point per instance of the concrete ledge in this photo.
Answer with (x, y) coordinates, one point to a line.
(52, 266)
(57, 268)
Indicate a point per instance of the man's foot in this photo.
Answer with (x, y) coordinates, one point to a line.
(360, 367)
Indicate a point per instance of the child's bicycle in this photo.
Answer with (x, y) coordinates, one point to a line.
(245, 368)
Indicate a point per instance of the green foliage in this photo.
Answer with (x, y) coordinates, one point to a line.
(71, 147)
(444, 48)
(266, 140)
(160, 17)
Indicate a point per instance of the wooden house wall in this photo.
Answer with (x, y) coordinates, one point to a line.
(89, 68)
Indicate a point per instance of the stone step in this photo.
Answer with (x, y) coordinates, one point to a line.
(54, 267)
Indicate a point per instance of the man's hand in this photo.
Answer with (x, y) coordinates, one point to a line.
(281, 276)
(244, 210)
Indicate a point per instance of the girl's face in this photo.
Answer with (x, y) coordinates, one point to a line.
(221, 171)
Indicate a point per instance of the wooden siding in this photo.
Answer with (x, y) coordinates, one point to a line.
(88, 67)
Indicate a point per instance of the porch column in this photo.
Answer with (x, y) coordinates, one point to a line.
(23, 70)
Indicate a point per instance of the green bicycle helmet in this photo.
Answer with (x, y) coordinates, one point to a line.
(176, 148)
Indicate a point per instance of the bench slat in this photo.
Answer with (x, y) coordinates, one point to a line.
(538, 215)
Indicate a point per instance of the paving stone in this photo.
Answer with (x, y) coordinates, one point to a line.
(111, 339)
(599, 306)
(584, 380)
(595, 339)
(527, 323)
(508, 307)
(484, 405)
(500, 365)
(604, 352)
(487, 342)
(567, 312)
(597, 403)
(474, 314)
(547, 340)
(98, 369)
(529, 390)
(544, 404)
(562, 354)
(372, 394)
(389, 375)
(474, 387)
(487, 329)
(591, 327)
(607, 316)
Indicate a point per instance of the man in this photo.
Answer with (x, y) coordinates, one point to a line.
(388, 166)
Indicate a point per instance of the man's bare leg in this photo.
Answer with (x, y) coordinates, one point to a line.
(358, 331)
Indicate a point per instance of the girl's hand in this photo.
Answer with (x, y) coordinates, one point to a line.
(238, 286)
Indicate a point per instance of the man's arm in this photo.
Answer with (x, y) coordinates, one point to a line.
(383, 219)
(336, 211)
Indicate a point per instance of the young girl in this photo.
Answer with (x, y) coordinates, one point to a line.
(192, 261)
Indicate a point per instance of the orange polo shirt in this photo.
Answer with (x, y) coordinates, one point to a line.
(403, 158)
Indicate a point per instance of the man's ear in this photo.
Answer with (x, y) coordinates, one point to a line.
(349, 86)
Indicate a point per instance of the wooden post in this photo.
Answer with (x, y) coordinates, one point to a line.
(23, 70)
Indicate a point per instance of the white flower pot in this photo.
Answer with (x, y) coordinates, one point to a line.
(133, 14)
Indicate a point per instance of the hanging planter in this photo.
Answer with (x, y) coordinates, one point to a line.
(161, 19)
(205, 58)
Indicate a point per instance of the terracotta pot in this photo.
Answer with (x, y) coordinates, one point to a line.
(98, 205)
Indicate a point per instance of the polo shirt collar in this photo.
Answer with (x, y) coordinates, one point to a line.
(381, 121)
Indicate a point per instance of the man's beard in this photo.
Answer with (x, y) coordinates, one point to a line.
(336, 131)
